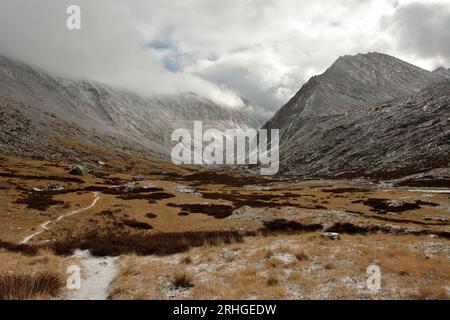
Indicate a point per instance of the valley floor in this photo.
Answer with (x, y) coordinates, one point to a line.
(150, 230)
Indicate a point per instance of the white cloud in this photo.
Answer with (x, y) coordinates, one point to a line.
(259, 49)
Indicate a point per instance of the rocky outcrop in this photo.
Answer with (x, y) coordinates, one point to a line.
(78, 170)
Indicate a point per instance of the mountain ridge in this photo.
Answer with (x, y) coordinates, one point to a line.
(352, 82)
(375, 133)
(442, 72)
(115, 111)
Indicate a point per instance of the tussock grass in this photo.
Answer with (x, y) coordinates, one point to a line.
(39, 202)
(434, 292)
(187, 260)
(145, 244)
(20, 286)
(26, 249)
(218, 211)
(273, 281)
(182, 281)
(137, 224)
(301, 256)
(286, 226)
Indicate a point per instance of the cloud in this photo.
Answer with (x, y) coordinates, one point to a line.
(422, 29)
(261, 50)
(109, 48)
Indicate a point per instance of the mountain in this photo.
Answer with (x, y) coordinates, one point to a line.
(113, 112)
(367, 115)
(352, 82)
(442, 72)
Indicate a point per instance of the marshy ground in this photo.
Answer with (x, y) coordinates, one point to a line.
(157, 231)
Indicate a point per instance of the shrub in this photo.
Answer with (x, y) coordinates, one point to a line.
(144, 244)
(272, 281)
(26, 249)
(182, 281)
(301, 256)
(39, 202)
(137, 224)
(286, 226)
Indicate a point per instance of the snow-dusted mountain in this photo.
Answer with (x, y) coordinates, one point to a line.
(146, 120)
(442, 72)
(369, 114)
(352, 82)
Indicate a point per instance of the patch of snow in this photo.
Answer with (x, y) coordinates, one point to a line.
(97, 274)
(285, 257)
(430, 190)
(185, 189)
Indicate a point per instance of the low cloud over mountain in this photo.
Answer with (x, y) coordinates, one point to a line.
(260, 50)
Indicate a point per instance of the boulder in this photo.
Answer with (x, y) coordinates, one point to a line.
(395, 203)
(129, 187)
(140, 177)
(431, 218)
(331, 235)
(78, 170)
(50, 187)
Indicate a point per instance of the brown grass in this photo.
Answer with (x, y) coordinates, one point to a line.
(187, 260)
(26, 249)
(257, 273)
(137, 224)
(20, 286)
(273, 281)
(285, 226)
(144, 244)
(431, 293)
(39, 202)
(301, 256)
(182, 281)
(218, 211)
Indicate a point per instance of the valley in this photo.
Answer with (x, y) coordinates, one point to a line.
(230, 237)
(86, 180)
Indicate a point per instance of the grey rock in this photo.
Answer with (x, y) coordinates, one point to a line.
(394, 203)
(130, 187)
(78, 170)
(432, 218)
(140, 177)
(50, 187)
(331, 235)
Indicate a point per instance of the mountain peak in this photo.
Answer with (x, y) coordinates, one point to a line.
(442, 72)
(351, 83)
(360, 55)
(372, 61)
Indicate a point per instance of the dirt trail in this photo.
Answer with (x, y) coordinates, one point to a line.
(97, 274)
(45, 226)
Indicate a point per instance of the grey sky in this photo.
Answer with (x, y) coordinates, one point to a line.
(263, 50)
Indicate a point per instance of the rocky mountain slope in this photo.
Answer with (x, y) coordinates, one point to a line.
(88, 105)
(442, 72)
(367, 115)
(352, 82)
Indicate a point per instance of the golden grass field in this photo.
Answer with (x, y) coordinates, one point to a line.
(184, 233)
